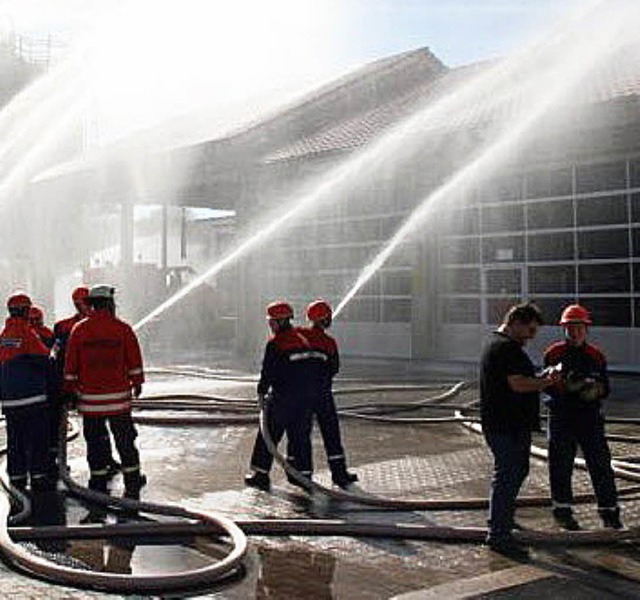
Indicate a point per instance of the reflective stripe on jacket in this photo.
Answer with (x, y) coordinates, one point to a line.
(103, 362)
(25, 375)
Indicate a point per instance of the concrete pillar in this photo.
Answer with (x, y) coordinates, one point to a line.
(164, 242)
(424, 318)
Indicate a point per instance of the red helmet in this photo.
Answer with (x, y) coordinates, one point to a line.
(575, 313)
(19, 301)
(319, 310)
(280, 310)
(80, 294)
(36, 315)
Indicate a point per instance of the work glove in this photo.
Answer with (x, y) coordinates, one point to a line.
(574, 383)
(592, 391)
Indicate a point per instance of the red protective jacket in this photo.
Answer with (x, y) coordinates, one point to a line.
(103, 362)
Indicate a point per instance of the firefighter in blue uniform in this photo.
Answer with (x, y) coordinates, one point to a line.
(575, 419)
(289, 381)
(319, 313)
(25, 380)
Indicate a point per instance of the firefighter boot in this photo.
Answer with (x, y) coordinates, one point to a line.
(96, 514)
(258, 480)
(133, 483)
(565, 519)
(340, 475)
(611, 518)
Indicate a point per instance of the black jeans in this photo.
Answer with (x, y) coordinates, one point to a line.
(511, 466)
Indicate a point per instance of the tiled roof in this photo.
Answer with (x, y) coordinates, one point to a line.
(618, 80)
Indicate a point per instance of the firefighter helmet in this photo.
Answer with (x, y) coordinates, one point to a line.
(36, 316)
(280, 310)
(19, 301)
(575, 313)
(80, 294)
(102, 291)
(319, 310)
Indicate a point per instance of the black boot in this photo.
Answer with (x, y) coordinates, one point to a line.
(339, 474)
(565, 519)
(133, 483)
(258, 480)
(611, 518)
(98, 484)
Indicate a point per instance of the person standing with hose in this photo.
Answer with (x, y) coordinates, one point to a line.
(575, 419)
(104, 368)
(319, 313)
(289, 380)
(510, 411)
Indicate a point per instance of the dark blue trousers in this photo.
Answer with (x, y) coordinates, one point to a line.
(511, 466)
(27, 443)
(568, 430)
(293, 417)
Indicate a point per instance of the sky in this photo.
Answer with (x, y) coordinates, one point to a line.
(225, 63)
(457, 31)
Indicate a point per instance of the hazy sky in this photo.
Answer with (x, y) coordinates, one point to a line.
(458, 31)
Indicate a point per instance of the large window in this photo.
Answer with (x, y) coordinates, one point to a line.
(460, 310)
(601, 177)
(603, 244)
(460, 251)
(504, 281)
(503, 249)
(460, 221)
(557, 214)
(559, 279)
(602, 279)
(497, 308)
(508, 187)
(396, 310)
(547, 184)
(551, 246)
(396, 283)
(362, 310)
(552, 308)
(503, 218)
(608, 210)
(461, 281)
(609, 312)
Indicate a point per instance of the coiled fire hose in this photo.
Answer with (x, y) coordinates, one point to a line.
(214, 525)
(25, 561)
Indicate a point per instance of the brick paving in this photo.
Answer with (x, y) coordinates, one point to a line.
(202, 467)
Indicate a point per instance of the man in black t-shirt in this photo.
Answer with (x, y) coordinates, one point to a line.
(509, 406)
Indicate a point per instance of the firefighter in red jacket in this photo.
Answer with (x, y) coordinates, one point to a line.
(25, 380)
(103, 367)
(319, 313)
(36, 318)
(289, 379)
(575, 419)
(61, 332)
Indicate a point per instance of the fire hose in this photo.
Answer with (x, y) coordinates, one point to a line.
(208, 524)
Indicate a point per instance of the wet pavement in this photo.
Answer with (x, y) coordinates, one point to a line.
(202, 468)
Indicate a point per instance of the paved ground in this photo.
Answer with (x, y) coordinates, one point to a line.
(203, 468)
